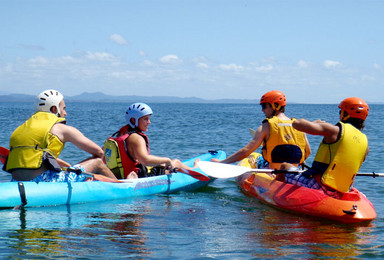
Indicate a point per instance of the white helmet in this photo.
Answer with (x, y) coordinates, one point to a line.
(47, 99)
(136, 111)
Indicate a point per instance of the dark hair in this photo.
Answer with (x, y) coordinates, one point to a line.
(356, 122)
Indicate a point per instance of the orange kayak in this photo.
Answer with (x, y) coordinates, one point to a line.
(352, 207)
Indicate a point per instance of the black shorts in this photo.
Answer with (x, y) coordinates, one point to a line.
(155, 171)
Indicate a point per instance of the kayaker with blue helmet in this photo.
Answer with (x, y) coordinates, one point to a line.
(341, 152)
(36, 144)
(280, 141)
(127, 151)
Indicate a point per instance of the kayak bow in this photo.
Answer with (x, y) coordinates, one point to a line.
(352, 207)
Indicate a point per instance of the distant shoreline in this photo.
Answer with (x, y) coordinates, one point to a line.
(103, 98)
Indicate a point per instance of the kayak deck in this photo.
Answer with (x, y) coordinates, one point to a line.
(352, 207)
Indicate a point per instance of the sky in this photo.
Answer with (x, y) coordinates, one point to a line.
(314, 51)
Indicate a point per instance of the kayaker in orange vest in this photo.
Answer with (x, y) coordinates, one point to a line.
(127, 150)
(341, 152)
(280, 141)
(37, 143)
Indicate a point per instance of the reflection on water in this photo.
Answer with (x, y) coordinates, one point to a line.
(60, 232)
(181, 226)
(285, 234)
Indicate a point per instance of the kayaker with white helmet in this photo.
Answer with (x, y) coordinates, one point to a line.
(127, 151)
(280, 141)
(36, 144)
(341, 152)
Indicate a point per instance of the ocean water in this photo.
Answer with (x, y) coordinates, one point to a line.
(217, 221)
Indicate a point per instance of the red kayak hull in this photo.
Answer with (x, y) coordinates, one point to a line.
(352, 207)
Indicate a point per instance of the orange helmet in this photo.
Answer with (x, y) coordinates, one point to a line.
(274, 97)
(355, 107)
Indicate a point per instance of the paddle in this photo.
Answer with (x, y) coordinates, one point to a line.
(223, 171)
(3, 154)
(252, 132)
(197, 175)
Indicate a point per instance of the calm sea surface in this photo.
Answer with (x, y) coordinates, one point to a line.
(215, 222)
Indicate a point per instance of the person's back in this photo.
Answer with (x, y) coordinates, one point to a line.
(280, 141)
(341, 152)
(284, 143)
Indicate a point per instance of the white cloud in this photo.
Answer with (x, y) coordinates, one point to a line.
(231, 67)
(147, 63)
(92, 71)
(68, 59)
(38, 61)
(302, 64)
(99, 56)
(170, 59)
(367, 78)
(329, 64)
(117, 38)
(202, 65)
(142, 53)
(264, 68)
(377, 66)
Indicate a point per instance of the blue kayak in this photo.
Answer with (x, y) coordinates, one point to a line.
(32, 194)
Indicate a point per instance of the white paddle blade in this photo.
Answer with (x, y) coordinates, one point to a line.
(252, 132)
(222, 170)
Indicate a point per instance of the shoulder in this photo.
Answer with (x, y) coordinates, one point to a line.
(64, 129)
(264, 128)
(135, 138)
(331, 132)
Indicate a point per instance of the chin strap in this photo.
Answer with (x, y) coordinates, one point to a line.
(344, 115)
(275, 106)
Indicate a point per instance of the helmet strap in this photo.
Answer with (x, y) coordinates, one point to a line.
(133, 121)
(344, 115)
(274, 107)
(55, 110)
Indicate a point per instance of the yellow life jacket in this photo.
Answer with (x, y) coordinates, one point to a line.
(30, 140)
(342, 159)
(285, 143)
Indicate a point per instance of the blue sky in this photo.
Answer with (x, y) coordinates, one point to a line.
(313, 51)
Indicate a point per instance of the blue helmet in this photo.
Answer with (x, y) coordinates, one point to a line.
(136, 111)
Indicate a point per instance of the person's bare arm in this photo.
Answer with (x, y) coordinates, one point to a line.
(62, 163)
(317, 127)
(307, 148)
(260, 135)
(138, 148)
(70, 134)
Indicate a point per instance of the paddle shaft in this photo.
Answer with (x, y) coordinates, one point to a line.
(224, 171)
(373, 174)
(197, 175)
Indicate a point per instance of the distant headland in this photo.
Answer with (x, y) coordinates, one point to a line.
(101, 97)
